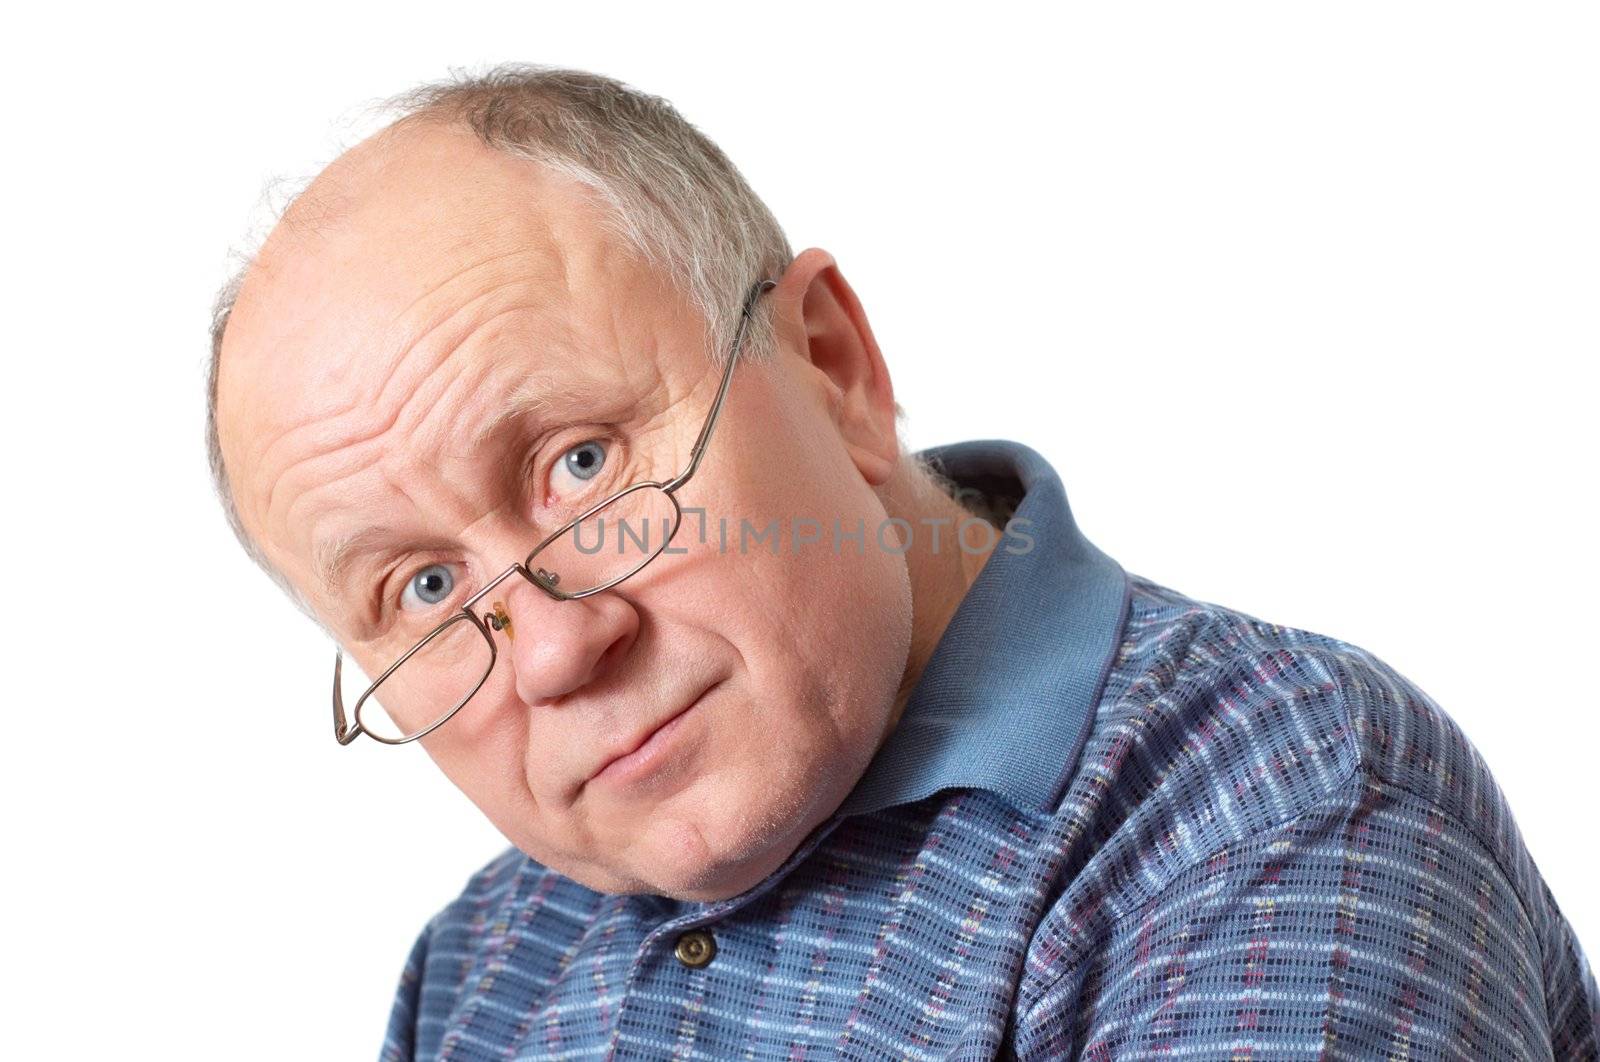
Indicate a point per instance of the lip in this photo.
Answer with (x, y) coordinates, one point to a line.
(645, 754)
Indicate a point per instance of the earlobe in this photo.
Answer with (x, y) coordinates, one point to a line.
(831, 329)
(874, 467)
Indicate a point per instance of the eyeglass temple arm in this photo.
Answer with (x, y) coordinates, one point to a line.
(343, 732)
(759, 289)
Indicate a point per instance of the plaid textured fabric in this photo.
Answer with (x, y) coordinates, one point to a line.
(1113, 823)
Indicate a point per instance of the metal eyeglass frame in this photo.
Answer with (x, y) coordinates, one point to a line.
(346, 731)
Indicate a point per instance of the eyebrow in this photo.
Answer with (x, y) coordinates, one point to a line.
(532, 399)
(331, 558)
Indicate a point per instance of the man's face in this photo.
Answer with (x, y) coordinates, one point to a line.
(417, 286)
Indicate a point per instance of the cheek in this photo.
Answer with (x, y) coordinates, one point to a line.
(832, 615)
(490, 728)
(483, 751)
(857, 626)
(492, 773)
(827, 625)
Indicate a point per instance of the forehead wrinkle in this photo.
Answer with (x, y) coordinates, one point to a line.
(362, 403)
(541, 243)
(259, 459)
(454, 332)
(362, 455)
(430, 325)
(459, 323)
(443, 341)
(542, 396)
(335, 560)
(439, 289)
(330, 557)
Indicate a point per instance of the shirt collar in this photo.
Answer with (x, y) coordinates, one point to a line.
(1006, 700)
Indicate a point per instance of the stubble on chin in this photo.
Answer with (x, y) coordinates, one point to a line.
(730, 849)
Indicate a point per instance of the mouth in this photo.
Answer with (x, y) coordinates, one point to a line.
(641, 756)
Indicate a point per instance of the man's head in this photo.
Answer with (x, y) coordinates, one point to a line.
(447, 341)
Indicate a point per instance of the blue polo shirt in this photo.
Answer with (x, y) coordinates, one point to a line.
(1112, 822)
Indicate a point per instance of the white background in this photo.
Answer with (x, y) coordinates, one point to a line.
(1300, 300)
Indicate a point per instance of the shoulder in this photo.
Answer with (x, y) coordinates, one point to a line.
(1260, 807)
(1275, 700)
(1218, 729)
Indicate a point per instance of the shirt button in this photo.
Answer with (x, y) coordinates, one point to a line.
(696, 948)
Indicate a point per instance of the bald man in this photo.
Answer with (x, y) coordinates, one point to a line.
(806, 745)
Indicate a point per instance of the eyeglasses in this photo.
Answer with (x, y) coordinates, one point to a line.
(448, 666)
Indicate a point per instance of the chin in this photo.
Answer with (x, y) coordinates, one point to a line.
(722, 882)
(762, 835)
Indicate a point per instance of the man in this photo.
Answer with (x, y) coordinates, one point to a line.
(863, 754)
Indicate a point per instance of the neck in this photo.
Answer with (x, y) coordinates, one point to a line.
(942, 568)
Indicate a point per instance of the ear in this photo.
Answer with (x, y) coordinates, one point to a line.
(822, 319)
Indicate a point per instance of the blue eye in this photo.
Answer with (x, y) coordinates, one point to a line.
(429, 586)
(586, 459)
(578, 467)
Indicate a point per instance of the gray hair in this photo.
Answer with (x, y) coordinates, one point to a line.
(671, 194)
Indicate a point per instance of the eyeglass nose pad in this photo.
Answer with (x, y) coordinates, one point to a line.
(500, 619)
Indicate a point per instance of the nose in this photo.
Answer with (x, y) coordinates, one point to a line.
(558, 647)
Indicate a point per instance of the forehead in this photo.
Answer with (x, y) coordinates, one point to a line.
(405, 236)
(410, 263)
